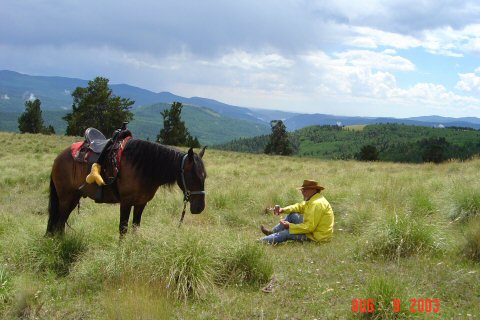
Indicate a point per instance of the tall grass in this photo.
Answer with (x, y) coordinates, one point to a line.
(189, 268)
(403, 235)
(466, 204)
(5, 286)
(421, 204)
(385, 292)
(57, 254)
(135, 300)
(391, 225)
(471, 247)
(246, 264)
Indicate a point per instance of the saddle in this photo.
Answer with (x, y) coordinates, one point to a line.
(95, 139)
(96, 147)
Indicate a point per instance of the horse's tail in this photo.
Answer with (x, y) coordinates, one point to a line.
(53, 209)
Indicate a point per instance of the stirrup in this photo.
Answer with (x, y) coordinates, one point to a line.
(95, 176)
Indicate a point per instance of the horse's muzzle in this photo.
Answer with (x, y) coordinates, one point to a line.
(197, 207)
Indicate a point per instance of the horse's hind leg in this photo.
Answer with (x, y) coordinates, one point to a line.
(137, 215)
(66, 207)
(124, 216)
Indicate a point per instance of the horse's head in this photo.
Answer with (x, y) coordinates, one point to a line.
(192, 181)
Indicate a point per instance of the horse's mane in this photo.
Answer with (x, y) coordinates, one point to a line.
(155, 163)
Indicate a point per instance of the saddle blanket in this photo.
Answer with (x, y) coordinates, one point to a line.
(81, 153)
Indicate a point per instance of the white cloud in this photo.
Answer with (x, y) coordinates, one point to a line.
(368, 37)
(376, 60)
(357, 73)
(363, 74)
(4, 97)
(436, 94)
(444, 40)
(469, 82)
(245, 60)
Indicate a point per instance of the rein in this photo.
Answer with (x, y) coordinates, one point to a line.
(186, 192)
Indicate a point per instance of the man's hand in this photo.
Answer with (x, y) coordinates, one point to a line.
(285, 224)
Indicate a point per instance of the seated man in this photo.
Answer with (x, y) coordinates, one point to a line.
(311, 219)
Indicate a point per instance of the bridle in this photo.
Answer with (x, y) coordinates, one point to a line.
(186, 192)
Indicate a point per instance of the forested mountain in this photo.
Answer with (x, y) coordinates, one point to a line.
(212, 121)
(394, 142)
(209, 126)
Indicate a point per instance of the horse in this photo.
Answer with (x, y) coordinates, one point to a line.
(144, 167)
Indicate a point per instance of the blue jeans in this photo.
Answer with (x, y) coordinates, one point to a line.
(280, 234)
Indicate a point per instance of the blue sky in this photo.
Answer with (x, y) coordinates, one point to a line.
(371, 58)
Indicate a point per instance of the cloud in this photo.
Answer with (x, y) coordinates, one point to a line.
(386, 60)
(255, 53)
(260, 61)
(469, 82)
(364, 74)
(368, 37)
(358, 72)
(4, 97)
(162, 28)
(407, 17)
(445, 41)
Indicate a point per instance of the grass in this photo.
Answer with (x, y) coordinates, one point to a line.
(402, 235)
(466, 204)
(401, 231)
(471, 247)
(56, 254)
(5, 286)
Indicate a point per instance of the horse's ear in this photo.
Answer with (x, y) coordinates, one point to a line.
(190, 154)
(202, 152)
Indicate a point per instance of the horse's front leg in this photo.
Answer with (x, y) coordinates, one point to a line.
(137, 215)
(124, 216)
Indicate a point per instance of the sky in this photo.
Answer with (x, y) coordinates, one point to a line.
(399, 58)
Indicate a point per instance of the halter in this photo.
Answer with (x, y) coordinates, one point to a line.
(186, 193)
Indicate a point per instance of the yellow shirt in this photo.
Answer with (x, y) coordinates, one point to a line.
(317, 218)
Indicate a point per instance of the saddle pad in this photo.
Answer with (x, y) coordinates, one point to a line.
(75, 148)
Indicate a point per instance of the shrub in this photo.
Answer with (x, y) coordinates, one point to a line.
(367, 153)
(471, 249)
(5, 286)
(189, 268)
(245, 264)
(401, 236)
(421, 204)
(356, 218)
(385, 292)
(57, 254)
(466, 205)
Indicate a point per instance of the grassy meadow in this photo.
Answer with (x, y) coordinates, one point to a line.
(401, 231)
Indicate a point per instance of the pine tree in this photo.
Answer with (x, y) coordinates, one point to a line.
(279, 141)
(367, 153)
(96, 106)
(31, 120)
(174, 131)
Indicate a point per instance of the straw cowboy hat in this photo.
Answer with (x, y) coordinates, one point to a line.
(311, 184)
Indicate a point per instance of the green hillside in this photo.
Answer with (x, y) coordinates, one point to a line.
(395, 142)
(209, 126)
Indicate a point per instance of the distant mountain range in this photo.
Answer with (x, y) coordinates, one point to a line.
(230, 121)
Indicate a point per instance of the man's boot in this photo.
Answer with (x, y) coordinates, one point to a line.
(95, 176)
(266, 231)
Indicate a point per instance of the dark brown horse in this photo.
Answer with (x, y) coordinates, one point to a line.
(144, 167)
